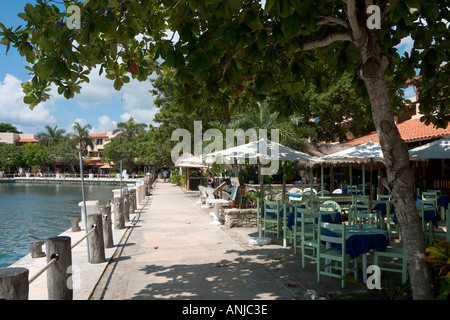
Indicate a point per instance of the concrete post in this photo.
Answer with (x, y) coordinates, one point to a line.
(36, 249)
(95, 239)
(126, 204)
(105, 211)
(59, 281)
(119, 218)
(14, 284)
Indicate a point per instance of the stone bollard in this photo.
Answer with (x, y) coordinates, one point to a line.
(105, 211)
(95, 239)
(75, 225)
(119, 218)
(14, 284)
(36, 249)
(132, 200)
(59, 280)
(126, 204)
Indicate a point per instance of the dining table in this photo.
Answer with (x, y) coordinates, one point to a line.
(360, 239)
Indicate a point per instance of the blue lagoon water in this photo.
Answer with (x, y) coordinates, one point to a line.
(30, 212)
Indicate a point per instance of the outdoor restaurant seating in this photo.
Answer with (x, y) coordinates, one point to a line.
(396, 263)
(298, 225)
(308, 236)
(334, 261)
(313, 226)
(272, 217)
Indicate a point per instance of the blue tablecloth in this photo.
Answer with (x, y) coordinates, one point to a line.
(361, 241)
(332, 217)
(381, 206)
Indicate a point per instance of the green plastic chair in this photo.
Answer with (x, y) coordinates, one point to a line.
(427, 227)
(288, 234)
(443, 230)
(396, 261)
(272, 218)
(331, 260)
(298, 226)
(332, 206)
(360, 213)
(308, 236)
(389, 224)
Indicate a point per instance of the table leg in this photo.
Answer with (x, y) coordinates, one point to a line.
(216, 214)
(364, 267)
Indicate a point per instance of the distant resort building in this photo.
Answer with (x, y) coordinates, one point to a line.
(18, 139)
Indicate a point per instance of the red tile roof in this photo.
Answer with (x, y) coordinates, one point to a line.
(99, 135)
(410, 130)
(27, 140)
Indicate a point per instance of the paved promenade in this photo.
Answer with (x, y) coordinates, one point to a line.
(170, 250)
(174, 252)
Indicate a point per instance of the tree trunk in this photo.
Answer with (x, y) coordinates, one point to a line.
(399, 176)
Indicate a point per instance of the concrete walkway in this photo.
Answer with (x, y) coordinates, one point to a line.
(174, 252)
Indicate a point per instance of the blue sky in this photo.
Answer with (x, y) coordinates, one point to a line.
(98, 104)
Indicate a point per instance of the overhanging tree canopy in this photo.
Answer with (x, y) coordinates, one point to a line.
(236, 50)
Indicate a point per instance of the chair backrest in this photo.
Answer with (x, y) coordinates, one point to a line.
(299, 212)
(337, 191)
(334, 205)
(295, 190)
(272, 207)
(310, 225)
(360, 213)
(438, 192)
(234, 192)
(333, 233)
(430, 198)
(309, 191)
(209, 192)
(384, 197)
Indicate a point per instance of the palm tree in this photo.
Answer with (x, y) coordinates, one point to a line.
(81, 136)
(51, 136)
(129, 129)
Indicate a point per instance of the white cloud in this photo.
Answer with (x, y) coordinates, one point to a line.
(105, 124)
(13, 110)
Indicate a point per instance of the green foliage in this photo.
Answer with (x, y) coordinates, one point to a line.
(11, 158)
(8, 127)
(34, 155)
(439, 257)
(389, 291)
(177, 178)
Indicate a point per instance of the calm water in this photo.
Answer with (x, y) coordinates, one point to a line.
(30, 212)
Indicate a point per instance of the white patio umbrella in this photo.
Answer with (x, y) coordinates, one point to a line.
(264, 151)
(366, 152)
(439, 149)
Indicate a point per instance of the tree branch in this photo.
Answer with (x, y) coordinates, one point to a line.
(353, 19)
(338, 36)
(333, 21)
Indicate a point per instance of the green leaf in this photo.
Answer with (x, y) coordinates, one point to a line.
(291, 26)
(45, 67)
(285, 9)
(269, 5)
(252, 20)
